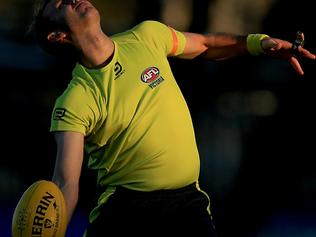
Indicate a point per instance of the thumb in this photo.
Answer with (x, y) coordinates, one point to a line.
(269, 44)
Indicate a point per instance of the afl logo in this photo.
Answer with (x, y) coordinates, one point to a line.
(150, 74)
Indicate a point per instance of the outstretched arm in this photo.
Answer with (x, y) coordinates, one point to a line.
(68, 167)
(221, 46)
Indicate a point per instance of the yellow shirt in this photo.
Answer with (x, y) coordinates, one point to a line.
(137, 126)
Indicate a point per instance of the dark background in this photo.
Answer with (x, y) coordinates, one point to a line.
(254, 117)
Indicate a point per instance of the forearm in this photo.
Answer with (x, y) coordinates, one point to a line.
(70, 192)
(221, 46)
(216, 46)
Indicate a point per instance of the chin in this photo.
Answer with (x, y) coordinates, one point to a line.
(92, 14)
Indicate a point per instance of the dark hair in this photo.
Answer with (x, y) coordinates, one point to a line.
(42, 26)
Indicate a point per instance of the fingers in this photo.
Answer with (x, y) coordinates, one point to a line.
(295, 62)
(305, 53)
(296, 65)
(281, 49)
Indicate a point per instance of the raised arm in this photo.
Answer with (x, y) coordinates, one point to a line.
(221, 46)
(68, 167)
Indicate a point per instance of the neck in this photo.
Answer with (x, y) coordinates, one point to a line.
(95, 49)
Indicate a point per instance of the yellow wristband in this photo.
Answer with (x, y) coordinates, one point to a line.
(254, 43)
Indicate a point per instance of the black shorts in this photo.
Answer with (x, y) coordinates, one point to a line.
(180, 212)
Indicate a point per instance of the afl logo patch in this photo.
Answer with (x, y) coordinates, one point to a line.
(150, 74)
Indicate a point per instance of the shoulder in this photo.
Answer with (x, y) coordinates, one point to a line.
(81, 87)
(144, 28)
(149, 26)
(150, 23)
(149, 32)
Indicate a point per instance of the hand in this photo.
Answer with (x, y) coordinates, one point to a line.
(282, 49)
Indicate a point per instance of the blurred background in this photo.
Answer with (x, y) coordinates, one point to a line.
(254, 118)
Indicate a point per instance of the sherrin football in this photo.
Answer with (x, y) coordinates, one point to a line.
(40, 212)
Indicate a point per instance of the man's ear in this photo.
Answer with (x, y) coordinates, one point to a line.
(58, 36)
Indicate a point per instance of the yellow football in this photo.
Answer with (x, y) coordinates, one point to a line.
(40, 212)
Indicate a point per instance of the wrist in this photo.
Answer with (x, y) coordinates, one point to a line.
(254, 45)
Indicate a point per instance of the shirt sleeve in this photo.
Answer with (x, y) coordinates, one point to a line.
(161, 36)
(75, 110)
